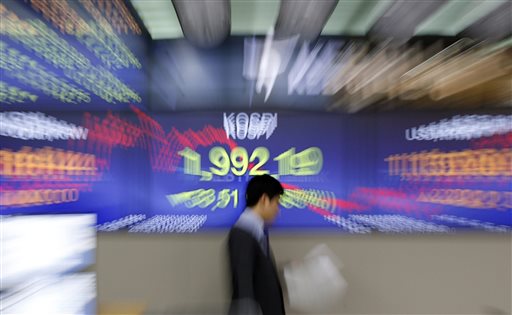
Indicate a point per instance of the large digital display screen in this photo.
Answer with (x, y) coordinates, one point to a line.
(71, 55)
(42, 245)
(157, 173)
(44, 262)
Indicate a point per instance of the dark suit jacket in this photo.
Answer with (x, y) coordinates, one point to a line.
(253, 274)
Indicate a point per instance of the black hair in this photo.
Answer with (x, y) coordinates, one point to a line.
(262, 185)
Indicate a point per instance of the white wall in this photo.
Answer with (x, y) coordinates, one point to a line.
(417, 274)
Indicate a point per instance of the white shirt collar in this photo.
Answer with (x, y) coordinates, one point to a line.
(251, 222)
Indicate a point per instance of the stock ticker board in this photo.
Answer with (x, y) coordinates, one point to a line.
(77, 136)
(71, 55)
(139, 172)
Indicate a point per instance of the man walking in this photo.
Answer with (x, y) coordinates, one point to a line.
(255, 283)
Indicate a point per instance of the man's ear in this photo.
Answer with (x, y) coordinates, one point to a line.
(264, 199)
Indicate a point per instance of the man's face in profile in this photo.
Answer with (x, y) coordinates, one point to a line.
(271, 208)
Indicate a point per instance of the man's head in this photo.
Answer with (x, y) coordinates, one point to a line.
(262, 195)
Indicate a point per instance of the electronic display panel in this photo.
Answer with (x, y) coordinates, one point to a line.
(185, 172)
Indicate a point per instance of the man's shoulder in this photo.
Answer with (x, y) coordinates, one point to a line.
(238, 233)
